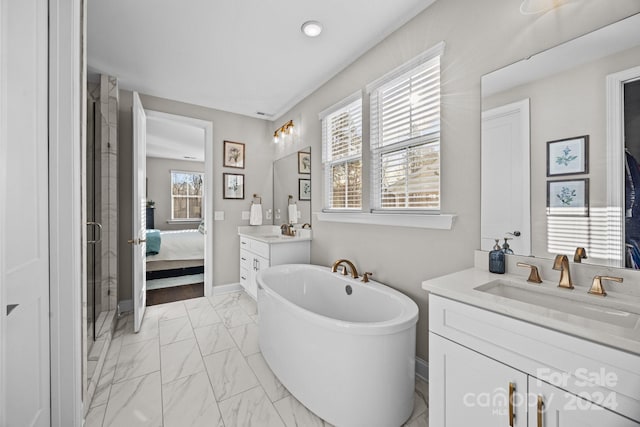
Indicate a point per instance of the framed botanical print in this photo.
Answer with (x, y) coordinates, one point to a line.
(233, 186)
(304, 189)
(568, 156)
(568, 197)
(304, 162)
(233, 155)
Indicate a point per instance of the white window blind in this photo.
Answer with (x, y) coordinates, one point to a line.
(342, 154)
(405, 136)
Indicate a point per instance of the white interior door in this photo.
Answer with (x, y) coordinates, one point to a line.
(24, 215)
(139, 213)
(505, 205)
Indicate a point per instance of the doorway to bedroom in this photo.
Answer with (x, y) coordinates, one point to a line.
(177, 203)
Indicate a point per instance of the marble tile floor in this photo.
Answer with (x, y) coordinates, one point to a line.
(197, 363)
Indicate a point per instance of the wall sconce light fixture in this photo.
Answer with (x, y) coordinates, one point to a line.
(285, 129)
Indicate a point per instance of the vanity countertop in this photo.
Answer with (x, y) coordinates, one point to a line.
(276, 239)
(272, 234)
(461, 286)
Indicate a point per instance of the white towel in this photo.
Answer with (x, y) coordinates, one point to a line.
(293, 214)
(255, 217)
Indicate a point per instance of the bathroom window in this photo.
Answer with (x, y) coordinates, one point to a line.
(187, 189)
(342, 154)
(405, 136)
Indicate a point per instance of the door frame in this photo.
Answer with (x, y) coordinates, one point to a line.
(67, 82)
(209, 156)
(615, 164)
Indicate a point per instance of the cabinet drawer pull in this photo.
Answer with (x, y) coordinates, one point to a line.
(512, 415)
(243, 278)
(244, 259)
(540, 406)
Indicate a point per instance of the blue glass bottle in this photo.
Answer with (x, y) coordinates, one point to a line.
(496, 259)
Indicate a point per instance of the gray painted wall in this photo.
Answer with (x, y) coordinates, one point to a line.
(159, 188)
(481, 36)
(255, 133)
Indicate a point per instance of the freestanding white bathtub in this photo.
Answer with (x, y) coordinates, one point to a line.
(348, 358)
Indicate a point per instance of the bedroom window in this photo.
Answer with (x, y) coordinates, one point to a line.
(405, 136)
(187, 189)
(342, 154)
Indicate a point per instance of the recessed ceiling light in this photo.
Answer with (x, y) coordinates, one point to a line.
(312, 28)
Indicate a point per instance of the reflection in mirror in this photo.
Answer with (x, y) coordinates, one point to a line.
(589, 87)
(292, 178)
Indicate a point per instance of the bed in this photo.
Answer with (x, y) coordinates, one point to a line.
(179, 250)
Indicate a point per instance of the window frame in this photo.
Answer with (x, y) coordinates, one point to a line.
(172, 196)
(327, 165)
(377, 150)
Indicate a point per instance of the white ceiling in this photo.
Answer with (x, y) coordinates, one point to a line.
(242, 56)
(172, 139)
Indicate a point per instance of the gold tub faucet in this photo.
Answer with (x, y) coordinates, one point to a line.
(562, 263)
(354, 272)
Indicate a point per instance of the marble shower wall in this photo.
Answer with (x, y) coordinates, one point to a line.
(109, 150)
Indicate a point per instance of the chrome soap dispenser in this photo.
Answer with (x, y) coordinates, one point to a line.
(496, 259)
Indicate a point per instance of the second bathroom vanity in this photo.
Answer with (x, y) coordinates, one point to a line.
(264, 246)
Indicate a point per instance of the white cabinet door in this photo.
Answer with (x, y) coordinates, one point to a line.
(550, 406)
(24, 215)
(469, 389)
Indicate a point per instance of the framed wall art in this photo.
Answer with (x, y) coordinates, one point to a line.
(304, 189)
(233, 155)
(304, 162)
(568, 156)
(568, 197)
(233, 186)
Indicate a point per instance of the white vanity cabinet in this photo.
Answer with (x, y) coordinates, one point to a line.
(488, 369)
(258, 253)
(472, 389)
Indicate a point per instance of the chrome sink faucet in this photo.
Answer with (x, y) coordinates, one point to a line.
(562, 263)
(354, 272)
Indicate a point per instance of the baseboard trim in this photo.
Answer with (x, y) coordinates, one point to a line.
(422, 369)
(125, 306)
(225, 289)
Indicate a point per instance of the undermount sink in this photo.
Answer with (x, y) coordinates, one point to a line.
(565, 301)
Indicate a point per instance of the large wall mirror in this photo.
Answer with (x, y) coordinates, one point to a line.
(561, 131)
(292, 186)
